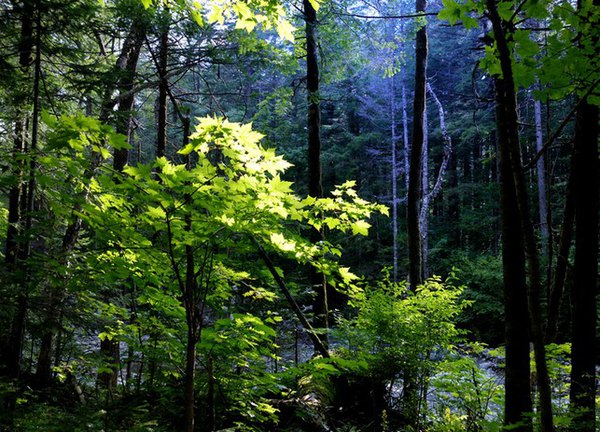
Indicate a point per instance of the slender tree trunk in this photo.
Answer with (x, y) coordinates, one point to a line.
(11, 347)
(430, 195)
(394, 179)
(127, 63)
(410, 400)
(315, 188)
(585, 280)
(161, 127)
(190, 377)
(518, 402)
(415, 183)
(518, 224)
(211, 394)
(517, 370)
(25, 249)
(541, 178)
(406, 154)
(583, 293)
(562, 258)
(425, 202)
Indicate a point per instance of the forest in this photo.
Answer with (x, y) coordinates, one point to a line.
(299, 215)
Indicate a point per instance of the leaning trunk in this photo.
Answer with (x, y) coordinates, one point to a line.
(519, 233)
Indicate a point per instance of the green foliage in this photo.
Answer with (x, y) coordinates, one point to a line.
(153, 218)
(397, 331)
(467, 398)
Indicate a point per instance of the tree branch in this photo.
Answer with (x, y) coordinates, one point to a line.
(286, 292)
(560, 127)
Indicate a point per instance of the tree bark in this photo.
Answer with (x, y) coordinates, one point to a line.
(127, 64)
(430, 195)
(315, 187)
(410, 399)
(424, 207)
(518, 233)
(11, 348)
(583, 293)
(562, 258)
(415, 190)
(541, 178)
(394, 179)
(28, 196)
(406, 153)
(161, 127)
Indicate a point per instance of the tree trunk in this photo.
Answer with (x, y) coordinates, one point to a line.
(519, 233)
(394, 179)
(315, 187)
(127, 64)
(18, 326)
(11, 348)
(406, 154)
(161, 126)
(425, 202)
(562, 258)
(410, 399)
(429, 195)
(190, 376)
(583, 294)
(415, 190)
(541, 178)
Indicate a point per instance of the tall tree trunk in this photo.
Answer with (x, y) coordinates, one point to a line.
(161, 127)
(541, 178)
(127, 64)
(518, 402)
(410, 400)
(406, 153)
(585, 280)
(11, 340)
(517, 223)
(424, 210)
(18, 325)
(562, 258)
(415, 182)
(583, 293)
(394, 179)
(190, 377)
(430, 195)
(315, 187)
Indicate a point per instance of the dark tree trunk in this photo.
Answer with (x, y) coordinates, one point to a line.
(161, 127)
(24, 252)
(583, 294)
(517, 222)
(410, 400)
(315, 187)
(415, 180)
(562, 259)
(517, 370)
(11, 340)
(126, 65)
(190, 377)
